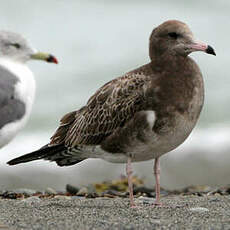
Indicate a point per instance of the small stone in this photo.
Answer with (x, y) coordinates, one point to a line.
(155, 221)
(228, 190)
(72, 189)
(198, 189)
(11, 195)
(199, 209)
(215, 199)
(82, 192)
(91, 195)
(62, 197)
(112, 193)
(50, 191)
(143, 190)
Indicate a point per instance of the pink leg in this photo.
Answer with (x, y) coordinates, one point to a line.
(157, 179)
(130, 183)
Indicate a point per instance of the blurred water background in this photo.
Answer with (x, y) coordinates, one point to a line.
(96, 41)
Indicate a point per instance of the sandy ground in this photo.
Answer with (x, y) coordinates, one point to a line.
(178, 212)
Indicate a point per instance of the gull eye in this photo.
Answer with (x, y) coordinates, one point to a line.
(173, 35)
(16, 45)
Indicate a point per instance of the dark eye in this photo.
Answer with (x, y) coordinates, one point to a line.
(16, 45)
(173, 35)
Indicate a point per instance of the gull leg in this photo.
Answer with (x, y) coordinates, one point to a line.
(157, 179)
(130, 183)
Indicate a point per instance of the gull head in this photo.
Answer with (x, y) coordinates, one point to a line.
(15, 47)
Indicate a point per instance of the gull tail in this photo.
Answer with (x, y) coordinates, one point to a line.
(58, 153)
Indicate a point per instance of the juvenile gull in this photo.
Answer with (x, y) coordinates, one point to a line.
(17, 85)
(139, 116)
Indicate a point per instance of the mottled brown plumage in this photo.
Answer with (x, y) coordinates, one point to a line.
(139, 116)
(109, 108)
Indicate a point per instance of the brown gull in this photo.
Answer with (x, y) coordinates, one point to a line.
(139, 116)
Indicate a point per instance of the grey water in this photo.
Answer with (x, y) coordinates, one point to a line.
(96, 41)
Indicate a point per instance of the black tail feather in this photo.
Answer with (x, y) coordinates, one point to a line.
(44, 153)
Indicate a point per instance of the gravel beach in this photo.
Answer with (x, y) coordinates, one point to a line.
(64, 212)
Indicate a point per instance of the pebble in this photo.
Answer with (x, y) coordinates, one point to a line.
(113, 193)
(198, 188)
(73, 190)
(143, 190)
(62, 197)
(10, 195)
(215, 199)
(82, 192)
(199, 209)
(156, 222)
(91, 195)
(50, 191)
